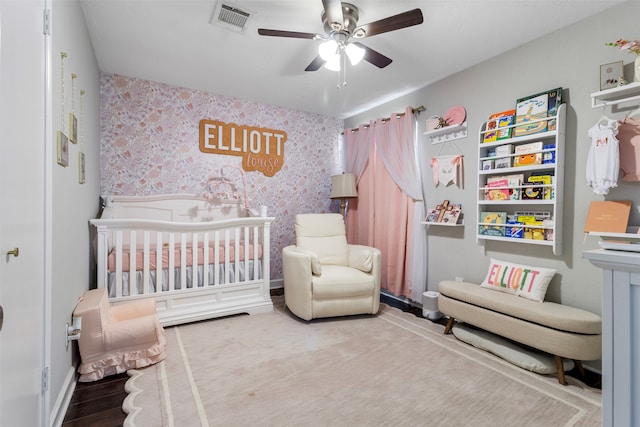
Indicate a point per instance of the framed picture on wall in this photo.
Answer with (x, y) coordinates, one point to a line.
(63, 149)
(73, 128)
(81, 168)
(611, 75)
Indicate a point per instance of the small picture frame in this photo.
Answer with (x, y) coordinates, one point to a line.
(63, 149)
(611, 74)
(73, 128)
(81, 168)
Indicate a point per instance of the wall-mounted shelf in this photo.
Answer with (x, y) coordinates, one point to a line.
(631, 234)
(617, 95)
(505, 204)
(443, 224)
(447, 133)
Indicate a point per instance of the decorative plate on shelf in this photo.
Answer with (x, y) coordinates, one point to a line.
(455, 115)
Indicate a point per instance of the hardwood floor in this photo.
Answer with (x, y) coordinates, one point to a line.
(99, 404)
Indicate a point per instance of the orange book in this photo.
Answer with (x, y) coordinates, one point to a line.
(609, 216)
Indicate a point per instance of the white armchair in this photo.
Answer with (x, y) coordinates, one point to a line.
(324, 276)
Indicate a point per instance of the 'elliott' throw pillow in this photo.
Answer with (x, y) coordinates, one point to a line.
(522, 280)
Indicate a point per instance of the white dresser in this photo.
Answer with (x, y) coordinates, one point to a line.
(620, 335)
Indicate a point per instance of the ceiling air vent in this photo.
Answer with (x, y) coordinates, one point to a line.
(229, 16)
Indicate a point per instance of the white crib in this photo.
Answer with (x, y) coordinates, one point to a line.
(197, 258)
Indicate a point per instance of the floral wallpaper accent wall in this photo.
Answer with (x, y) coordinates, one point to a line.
(150, 145)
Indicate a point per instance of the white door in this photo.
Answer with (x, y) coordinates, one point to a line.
(22, 189)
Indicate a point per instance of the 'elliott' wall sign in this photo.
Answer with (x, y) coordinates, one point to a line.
(261, 149)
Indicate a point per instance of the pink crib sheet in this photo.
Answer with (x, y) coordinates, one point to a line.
(222, 256)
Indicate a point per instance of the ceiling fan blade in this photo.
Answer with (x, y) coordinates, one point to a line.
(392, 23)
(374, 57)
(315, 64)
(281, 33)
(333, 12)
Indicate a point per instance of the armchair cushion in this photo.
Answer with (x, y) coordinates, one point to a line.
(338, 281)
(325, 235)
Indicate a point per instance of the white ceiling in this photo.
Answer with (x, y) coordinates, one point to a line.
(172, 41)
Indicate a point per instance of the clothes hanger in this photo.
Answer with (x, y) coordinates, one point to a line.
(604, 119)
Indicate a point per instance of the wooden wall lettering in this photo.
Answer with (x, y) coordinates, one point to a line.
(261, 149)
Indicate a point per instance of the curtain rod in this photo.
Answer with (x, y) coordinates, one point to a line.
(415, 110)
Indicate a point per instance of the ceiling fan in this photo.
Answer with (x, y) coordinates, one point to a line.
(341, 25)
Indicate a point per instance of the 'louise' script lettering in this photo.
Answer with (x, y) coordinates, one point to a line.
(261, 149)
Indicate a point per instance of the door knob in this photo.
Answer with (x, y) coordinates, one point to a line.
(15, 252)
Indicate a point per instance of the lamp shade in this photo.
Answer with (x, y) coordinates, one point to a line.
(328, 49)
(333, 64)
(355, 53)
(343, 186)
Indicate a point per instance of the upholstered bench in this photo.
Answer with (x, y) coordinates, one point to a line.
(561, 330)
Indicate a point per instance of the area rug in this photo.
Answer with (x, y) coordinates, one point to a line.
(385, 370)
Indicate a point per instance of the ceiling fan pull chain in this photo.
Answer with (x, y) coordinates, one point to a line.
(344, 67)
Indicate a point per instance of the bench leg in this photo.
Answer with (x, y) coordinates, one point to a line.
(560, 369)
(580, 368)
(447, 329)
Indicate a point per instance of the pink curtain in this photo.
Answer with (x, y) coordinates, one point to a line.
(389, 208)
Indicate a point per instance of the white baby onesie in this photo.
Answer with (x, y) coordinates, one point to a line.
(603, 163)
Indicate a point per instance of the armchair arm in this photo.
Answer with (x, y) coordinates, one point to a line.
(363, 257)
(296, 270)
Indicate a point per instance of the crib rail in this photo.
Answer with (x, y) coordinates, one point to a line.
(169, 245)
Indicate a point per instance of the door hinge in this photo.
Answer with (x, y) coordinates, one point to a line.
(46, 24)
(45, 379)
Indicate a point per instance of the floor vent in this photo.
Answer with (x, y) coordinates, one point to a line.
(230, 17)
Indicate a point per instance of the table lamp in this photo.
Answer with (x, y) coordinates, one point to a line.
(343, 187)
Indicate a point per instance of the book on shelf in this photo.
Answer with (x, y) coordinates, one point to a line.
(497, 121)
(503, 187)
(528, 160)
(451, 216)
(545, 181)
(608, 216)
(492, 224)
(528, 154)
(497, 189)
(432, 215)
(529, 148)
(502, 163)
(530, 191)
(491, 133)
(503, 122)
(528, 110)
(555, 99)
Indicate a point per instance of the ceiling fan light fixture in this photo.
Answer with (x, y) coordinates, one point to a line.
(333, 64)
(328, 49)
(355, 53)
(359, 33)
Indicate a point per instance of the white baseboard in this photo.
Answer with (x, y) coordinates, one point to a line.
(59, 409)
(276, 284)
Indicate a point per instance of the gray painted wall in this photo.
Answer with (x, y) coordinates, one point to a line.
(73, 204)
(569, 58)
